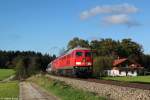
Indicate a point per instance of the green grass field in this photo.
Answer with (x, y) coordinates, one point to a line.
(135, 79)
(9, 89)
(64, 91)
(5, 73)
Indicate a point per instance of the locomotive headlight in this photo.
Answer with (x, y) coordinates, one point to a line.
(76, 67)
(89, 63)
(78, 63)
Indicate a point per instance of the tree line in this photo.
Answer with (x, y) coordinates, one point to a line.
(109, 47)
(25, 63)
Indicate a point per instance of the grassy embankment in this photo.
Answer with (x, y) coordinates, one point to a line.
(135, 79)
(5, 73)
(62, 90)
(8, 89)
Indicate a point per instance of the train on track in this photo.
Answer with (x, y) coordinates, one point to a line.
(77, 62)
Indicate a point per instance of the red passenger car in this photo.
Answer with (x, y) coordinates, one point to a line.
(76, 62)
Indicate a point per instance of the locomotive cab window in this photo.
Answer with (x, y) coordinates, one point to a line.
(88, 54)
(78, 53)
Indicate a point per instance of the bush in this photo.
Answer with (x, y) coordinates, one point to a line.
(26, 67)
(102, 63)
(21, 69)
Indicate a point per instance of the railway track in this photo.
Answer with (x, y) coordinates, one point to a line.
(117, 83)
(112, 90)
(123, 84)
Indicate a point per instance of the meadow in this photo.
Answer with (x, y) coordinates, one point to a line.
(9, 89)
(5, 73)
(135, 79)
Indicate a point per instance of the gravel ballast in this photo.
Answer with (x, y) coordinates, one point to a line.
(106, 90)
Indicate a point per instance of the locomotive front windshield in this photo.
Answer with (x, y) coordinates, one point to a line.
(88, 54)
(79, 53)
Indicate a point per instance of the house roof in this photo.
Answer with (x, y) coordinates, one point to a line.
(119, 61)
(135, 65)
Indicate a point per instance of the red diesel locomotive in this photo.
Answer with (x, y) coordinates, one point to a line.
(77, 62)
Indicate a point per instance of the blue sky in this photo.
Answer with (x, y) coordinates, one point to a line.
(47, 25)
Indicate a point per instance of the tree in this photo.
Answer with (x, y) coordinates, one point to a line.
(9, 59)
(130, 47)
(104, 46)
(21, 71)
(102, 63)
(26, 63)
(145, 61)
(76, 42)
(124, 48)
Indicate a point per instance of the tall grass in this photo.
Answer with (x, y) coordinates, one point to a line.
(64, 91)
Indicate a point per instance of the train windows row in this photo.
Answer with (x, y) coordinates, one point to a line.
(87, 54)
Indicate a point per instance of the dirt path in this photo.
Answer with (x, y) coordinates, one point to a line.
(8, 79)
(30, 91)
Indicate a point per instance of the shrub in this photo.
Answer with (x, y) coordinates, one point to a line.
(101, 63)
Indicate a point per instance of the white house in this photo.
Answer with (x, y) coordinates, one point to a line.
(122, 67)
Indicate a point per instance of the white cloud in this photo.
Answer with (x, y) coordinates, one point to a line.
(109, 9)
(120, 19)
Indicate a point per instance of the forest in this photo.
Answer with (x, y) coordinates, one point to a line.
(25, 63)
